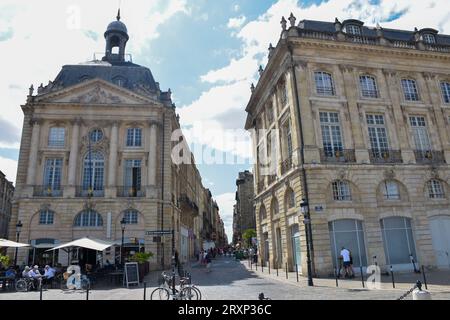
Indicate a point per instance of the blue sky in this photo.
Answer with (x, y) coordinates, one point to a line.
(206, 51)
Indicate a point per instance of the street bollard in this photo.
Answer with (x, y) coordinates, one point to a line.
(419, 294)
(392, 276)
(256, 265)
(262, 266)
(40, 289)
(269, 266)
(277, 271)
(296, 271)
(145, 290)
(362, 276)
(287, 276)
(87, 293)
(424, 277)
(251, 264)
(336, 277)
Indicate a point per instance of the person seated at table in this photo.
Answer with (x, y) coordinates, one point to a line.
(49, 275)
(26, 272)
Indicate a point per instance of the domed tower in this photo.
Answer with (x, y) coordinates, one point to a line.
(116, 36)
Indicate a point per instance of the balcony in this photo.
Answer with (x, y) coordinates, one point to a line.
(188, 205)
(385, 156)
(429, 157)
(130, 192)
(84, 192)
(47, 191)
(286, 165)
(343, 156)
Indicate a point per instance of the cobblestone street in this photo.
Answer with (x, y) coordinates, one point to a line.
(232, 280)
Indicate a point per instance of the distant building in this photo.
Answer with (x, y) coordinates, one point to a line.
(244, 214)
(6, 195)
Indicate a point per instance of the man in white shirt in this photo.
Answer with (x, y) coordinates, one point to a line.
(347, 262)
(49, 274)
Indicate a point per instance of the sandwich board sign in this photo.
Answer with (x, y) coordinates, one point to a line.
(131, 273)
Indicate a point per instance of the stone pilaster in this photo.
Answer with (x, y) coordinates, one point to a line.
(112, 168)
(32, 162)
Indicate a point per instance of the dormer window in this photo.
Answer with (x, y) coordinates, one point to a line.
(119, 81)
(429, 38)
(353, 29)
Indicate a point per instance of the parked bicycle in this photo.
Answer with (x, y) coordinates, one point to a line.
(186, 290)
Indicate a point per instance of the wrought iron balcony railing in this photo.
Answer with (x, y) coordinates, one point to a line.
(385, 156)
(429, 157)
(286, 165)
(47, 191)
(130, 192)
(82, 192)
(343, 156)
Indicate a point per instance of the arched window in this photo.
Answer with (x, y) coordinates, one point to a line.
(435, 189)
(369, 88)
(120, 81)
(398, 240)
(46, 217)
(88, 218)
(341, 191)
(410, 90)
(324, 83)
(131, 217)
(262, 213)
(348, 234)
(391, 190)
(93, 173)
(290, 199)
(96, 135)
(275, 207)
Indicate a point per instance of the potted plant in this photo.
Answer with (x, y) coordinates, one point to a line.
(144, 265)
(4, 261)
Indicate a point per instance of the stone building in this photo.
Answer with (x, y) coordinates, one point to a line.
(244, 214)
(6, 196)
(360, 118)
(96, 149)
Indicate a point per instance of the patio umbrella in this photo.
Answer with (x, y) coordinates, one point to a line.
(12, 244)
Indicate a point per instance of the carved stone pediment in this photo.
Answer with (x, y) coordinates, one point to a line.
(97, 95)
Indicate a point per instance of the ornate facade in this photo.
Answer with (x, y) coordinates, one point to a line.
(244, 215)
(96, 149)
(364, 113)
(6, 196)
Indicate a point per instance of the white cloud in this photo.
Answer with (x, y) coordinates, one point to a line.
(236, 23)
(9, 168)
(225, 202)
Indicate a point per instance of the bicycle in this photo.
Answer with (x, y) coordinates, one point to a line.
(26, 284)
(186, 291)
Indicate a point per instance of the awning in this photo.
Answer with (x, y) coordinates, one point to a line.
(12, 244)
(93, 244)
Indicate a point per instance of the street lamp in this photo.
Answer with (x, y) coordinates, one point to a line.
(304, 205)
(19, 226)
(123, 223)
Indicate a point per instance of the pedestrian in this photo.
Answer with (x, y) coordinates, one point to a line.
(345, 254)
(208, 262)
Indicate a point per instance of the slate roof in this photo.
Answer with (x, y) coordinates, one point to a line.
(390, 34)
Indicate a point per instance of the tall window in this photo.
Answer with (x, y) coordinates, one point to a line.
(275, 207)
(377, 134)
(391, 190)
(46, 217)
(262, 213)
(410, 90)
(56, 137)
(93, 174)
(429, 38)
(88, 218)
(131, 217)
(398, 240)
(290, 199)
(445, 88)
(331, 133)
(52, 174)
(283, 95)
(296, 246)
(420, 133)
(133, 174)
(288, 138)
(350, 235)
(341, 191)
(134, 137)
(369, 88)
(324, 84)
(436, 189)
(269, 113)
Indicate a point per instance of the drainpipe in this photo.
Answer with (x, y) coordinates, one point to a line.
(162, 189)
(308, 231)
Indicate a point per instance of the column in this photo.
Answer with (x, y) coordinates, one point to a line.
(152, 159)
(352, 94)
(74, 152)
(32, 159)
